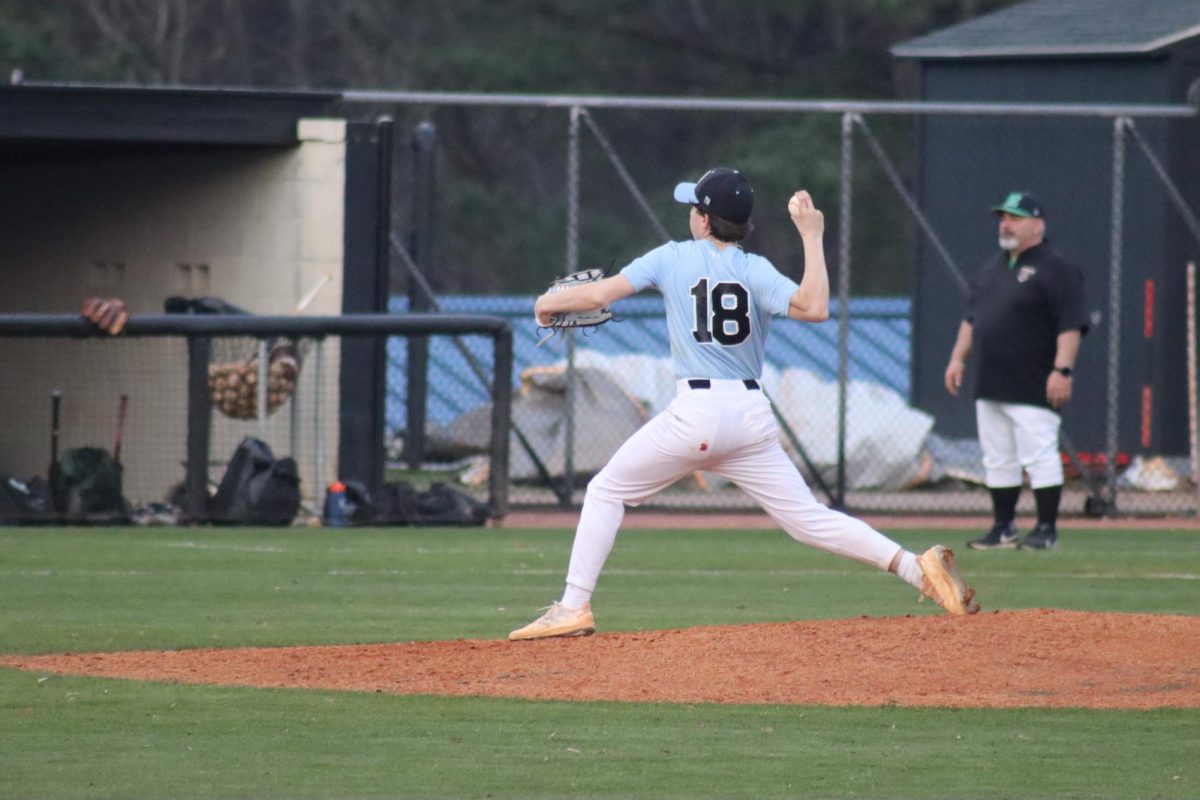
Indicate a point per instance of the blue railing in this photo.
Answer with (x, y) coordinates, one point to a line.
(880, 347)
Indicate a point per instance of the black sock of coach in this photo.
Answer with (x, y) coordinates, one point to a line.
(1047, 504)
(1004, 503)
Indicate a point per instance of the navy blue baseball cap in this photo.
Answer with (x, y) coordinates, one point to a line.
(1019, 204)
(722, 192)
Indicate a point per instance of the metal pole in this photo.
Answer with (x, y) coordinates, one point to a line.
(385, 149)
(502, 347)
(1192, 389)
(199, 428)
(424, 141)
(910, 202)
(572, 266)
(319, 443)
(261, 394)
(1114, 304)
(762, 106)
(844, 221)
(294, 410)
(625, 177)
(1173, 193)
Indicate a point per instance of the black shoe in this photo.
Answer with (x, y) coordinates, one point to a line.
(1002, 536)
(1043, 537)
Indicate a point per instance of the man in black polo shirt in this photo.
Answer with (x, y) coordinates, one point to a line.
(1024, 321)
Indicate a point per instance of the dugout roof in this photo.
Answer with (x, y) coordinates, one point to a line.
(1063, 28)
(36, 114)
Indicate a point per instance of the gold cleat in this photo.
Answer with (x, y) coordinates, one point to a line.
(943, 584)
(558, 621)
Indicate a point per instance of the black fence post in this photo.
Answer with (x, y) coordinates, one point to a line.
(199, 428)
(365, 279)
(502, 344)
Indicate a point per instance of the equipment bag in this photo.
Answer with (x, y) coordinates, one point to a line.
(86, 485)
(442, 505)
(257, 489)
(402, 504)
(25, 502)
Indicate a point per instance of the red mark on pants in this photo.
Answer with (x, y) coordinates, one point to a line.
(703, 446)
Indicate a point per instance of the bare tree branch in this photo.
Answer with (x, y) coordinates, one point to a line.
(99, 15)
(178, 42)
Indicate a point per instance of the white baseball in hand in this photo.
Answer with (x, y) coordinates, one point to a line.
(809, 221)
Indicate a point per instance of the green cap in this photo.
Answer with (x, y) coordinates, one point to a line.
(1019, 204)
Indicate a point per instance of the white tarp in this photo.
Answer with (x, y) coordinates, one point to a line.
(616, 395)
(884, 436)
(604, 417)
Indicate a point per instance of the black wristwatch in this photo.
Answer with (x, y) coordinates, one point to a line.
(1064, 371)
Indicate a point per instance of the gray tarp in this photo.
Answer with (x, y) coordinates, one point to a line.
(615, 395)
(605, 416)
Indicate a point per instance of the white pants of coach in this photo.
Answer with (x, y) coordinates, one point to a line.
(1015, 436)
(730, 430)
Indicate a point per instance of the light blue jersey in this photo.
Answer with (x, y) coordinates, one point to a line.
(719, 305)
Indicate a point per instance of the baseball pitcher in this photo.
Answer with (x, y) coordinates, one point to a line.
(720, 302)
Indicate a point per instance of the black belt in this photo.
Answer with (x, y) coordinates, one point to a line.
(705, 383)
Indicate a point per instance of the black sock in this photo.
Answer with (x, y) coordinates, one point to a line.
(1004, 503)
(1047, 499)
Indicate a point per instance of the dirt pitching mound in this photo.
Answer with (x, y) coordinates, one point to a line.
(1035, 658)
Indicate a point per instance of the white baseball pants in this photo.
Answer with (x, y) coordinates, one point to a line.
(1015, 436)
(730, 430)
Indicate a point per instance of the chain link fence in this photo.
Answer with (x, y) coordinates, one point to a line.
(843, 390)
(590, 181)
(172, 400)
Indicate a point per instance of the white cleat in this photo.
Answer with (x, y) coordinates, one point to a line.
(943, 584)
(558, 621)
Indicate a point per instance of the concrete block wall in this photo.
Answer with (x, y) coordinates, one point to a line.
(258, 227)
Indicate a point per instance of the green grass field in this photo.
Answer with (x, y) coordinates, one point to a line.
(117, 589)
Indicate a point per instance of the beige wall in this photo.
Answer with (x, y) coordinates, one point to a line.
(256, 226)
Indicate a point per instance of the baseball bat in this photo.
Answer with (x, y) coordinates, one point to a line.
(312, 293)
(122, 407)
(52, 474)
(55, 414)
(304, 303)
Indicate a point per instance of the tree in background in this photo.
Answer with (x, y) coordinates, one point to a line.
(502, 172)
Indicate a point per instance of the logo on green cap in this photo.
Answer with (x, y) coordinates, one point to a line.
(1018, 204)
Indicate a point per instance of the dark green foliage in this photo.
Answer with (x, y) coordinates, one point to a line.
(501, 201)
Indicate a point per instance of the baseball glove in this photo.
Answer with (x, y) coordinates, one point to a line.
(579, 319)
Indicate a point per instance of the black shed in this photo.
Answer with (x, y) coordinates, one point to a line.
(1066, 51)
